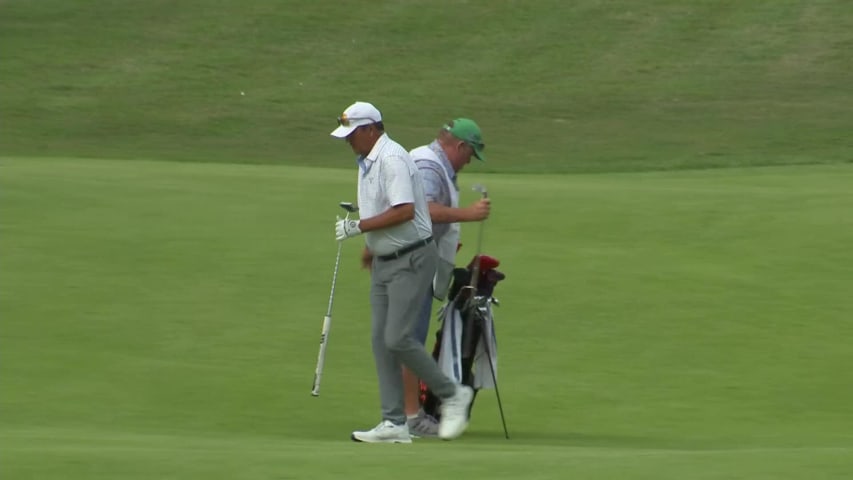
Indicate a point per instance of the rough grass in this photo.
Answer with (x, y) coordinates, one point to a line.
(557, 86)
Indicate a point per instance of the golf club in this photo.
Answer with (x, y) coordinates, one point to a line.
(482, 309)
(475, 273)
(327, 320)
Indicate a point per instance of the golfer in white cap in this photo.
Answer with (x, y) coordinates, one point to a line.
(402, 258)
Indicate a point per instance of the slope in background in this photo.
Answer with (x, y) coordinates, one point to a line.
(557, 86)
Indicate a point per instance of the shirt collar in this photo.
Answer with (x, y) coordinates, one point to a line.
(377, 147)
(445, 162)
(365, 162)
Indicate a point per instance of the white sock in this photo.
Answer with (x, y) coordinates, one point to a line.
(420, 413)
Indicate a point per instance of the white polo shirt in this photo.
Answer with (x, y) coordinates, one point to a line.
(387, 177)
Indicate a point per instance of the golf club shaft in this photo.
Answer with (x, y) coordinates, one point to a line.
(327, 326)
(475, 273)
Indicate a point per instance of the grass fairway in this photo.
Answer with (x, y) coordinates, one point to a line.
(160, 320)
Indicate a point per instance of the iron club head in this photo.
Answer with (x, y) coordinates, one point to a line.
(480, 188)
(348, 206)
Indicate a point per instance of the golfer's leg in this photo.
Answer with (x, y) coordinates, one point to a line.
(388, 369)
(422, 325)
(411, 279)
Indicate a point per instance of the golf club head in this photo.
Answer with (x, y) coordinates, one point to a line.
(348, 206)
(480, 188)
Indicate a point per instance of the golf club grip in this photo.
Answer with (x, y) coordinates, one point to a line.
(321, 356)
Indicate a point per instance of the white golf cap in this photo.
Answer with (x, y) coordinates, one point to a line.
(356, 115)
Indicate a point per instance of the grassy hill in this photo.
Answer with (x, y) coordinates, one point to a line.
(557, 86)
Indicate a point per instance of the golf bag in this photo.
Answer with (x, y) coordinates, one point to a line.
(472, 359)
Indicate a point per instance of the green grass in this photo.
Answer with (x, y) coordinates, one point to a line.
(557, 86)
(160, 321)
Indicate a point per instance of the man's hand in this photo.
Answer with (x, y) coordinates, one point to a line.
(479, 210)
(366, 259)
(346, 228)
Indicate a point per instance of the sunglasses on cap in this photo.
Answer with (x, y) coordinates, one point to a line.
(474, 145)
(344, 121)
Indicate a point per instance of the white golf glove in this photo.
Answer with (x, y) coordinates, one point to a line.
(346, 228)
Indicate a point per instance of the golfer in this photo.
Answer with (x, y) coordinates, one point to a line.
(439, 163)
(403, 257)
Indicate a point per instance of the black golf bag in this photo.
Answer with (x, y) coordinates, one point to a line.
(475, 313)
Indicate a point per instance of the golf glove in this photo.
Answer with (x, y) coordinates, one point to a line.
(346, 228)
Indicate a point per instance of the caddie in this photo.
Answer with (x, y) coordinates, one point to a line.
(439, 162)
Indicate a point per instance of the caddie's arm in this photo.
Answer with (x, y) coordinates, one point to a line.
(475, 212)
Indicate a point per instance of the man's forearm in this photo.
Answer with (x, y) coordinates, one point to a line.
(443, 214)
(393, 216)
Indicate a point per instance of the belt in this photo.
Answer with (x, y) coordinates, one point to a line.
(408, 248)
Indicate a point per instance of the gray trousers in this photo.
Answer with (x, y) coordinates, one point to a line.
(397, 294)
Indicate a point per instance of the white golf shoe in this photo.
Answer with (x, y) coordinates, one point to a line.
(423, 426)
(454, 413)
(385, 432)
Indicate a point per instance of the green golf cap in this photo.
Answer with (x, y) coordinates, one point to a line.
(467, 130)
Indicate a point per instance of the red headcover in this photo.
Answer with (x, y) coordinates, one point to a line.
(486, 263)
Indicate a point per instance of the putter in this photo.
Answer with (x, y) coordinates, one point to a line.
(327, 320)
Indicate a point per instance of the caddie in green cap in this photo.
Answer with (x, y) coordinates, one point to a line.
(439, 163)
(468, 131)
